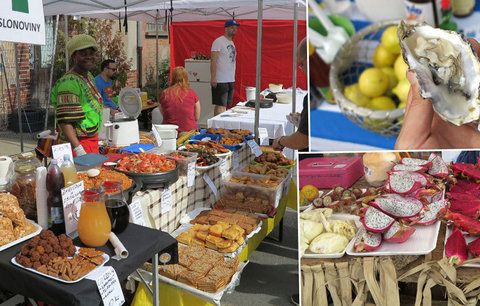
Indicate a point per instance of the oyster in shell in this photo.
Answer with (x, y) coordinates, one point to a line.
(447, 69)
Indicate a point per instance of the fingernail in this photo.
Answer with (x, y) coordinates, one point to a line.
(411, 76)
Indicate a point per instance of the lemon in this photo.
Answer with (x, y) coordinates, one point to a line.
(382, 103)
(310, 192)
(390, 40)
(373, 82)
(400, 68)
(382, 57)
(353, 93)
(392, 79)
(401, 90)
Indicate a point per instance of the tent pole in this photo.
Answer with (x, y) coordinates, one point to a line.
(17, 89)
(157, 83)
(67, 64)
(55, 34)
(294, 70)
(258, 68)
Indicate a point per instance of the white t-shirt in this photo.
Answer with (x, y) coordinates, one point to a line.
(226, 59)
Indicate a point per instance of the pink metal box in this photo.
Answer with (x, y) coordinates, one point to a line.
(330, 172)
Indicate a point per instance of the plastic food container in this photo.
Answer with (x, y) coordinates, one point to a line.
(137, 148)
(188, 157)
(274, 194)
(89, 161)
(330, 172)
(200, 137)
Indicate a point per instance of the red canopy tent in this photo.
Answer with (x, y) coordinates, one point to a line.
(197, 36)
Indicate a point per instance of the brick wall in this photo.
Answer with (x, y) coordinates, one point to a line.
(24, 72)
(132, 78)
(148, 51)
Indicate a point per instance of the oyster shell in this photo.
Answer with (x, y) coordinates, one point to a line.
(447, 69)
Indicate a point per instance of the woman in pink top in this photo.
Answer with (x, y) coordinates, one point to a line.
(179, 103)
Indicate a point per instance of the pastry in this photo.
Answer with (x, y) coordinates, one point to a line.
(216, 230)
(7, 233)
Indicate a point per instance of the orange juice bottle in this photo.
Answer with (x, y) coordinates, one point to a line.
(94, 224)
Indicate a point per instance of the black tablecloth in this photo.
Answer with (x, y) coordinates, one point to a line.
(141, 242)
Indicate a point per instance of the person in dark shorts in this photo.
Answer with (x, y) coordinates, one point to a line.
(222, 67)
(299, 139)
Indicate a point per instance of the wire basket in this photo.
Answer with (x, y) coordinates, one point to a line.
(351, 60)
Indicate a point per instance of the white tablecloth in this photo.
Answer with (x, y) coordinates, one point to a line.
(274, 119)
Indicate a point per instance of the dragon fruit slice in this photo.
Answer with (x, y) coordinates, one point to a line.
(426, 196)
(456, 248)
(398, 233)
(416, 162)
(397, 206)
(439, 168)
(431, 212)
(404, 182)
(367, 241)
(375, 221)
(412, 168)
(465, 223)
(474, 248)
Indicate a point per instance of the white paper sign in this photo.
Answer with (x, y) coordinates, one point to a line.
(72, 202)
(263, 136)
(210, 183)
(158, 139)
(223, 167)
(136, 213)
(22, 21)
(191, 174)
(59, 151)
(255, 147)
(236, 160)
(109, 287)
(166, 201)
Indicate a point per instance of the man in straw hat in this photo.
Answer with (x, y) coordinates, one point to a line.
(77, 102)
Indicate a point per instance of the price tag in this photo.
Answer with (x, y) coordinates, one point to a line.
(166, 201)
(109, 287)
(191, 174)
(59, 151)
(136, 213)
(210, 183)
(72, 202)
(158, 139)
(223, 167)
(263, 136)
(235, 160)
(255, 147)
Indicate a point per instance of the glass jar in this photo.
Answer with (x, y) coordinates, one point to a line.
(24, 184)
(94, 224)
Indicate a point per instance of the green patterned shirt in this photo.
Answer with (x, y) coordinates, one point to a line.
(78, 102)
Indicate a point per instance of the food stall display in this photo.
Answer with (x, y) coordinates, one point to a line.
(90, 182)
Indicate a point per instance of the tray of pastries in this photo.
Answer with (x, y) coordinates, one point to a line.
(248, 222)
(57, 258)
(14, 227)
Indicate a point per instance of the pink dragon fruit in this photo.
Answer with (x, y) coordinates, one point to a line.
(470, 170)
(465, 223)
(412, 168)
(367, 241)
(464, 186)
(456, 248)
(375, 221)
(465, 204)
(426, 195)
(398, 233)
(404, 182)
(439, 168)
(474, 248)
(416, 162)
(430, 212)
(397, 206)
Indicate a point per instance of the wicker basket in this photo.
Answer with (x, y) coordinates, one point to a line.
(350, 61)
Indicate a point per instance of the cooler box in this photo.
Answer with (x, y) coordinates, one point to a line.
(330, 172)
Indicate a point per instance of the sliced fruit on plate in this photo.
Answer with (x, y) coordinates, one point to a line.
(431, 211)
(375, 221)
(456, 248)
(397, 206)
(398, 233)
(367, 241)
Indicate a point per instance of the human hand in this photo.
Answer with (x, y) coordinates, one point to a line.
(276, 144)
(423, 128)
(79, 150)
(294, 118)
(213, 83)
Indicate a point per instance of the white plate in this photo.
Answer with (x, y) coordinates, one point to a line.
(106, 258)
(469, 239)
(356, 219)
(37, 231)
(422, 242)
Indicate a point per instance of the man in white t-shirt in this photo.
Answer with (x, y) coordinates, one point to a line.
(222, 68)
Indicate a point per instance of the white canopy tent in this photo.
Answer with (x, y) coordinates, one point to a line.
(192, 10)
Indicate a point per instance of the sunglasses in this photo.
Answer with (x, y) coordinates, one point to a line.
(113, 69)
